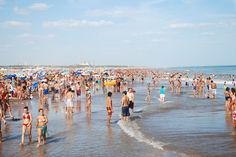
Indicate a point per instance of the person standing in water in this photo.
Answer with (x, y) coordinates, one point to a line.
(148, 98)
(69, 102)
(125, 107)
(1, 124)
(88, 102)
(179, 84)
(27, 124)
(45, 92)
(213, 88)
(109, 107)
(162, 94)
(130, 95)
(41, 125)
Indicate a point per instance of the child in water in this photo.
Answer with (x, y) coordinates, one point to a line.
(162, 94)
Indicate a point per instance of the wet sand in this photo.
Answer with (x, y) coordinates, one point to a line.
(81, 134)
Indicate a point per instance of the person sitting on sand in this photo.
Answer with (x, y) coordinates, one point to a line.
(41, 125)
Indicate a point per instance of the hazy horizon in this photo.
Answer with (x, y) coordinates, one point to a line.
(152, 33)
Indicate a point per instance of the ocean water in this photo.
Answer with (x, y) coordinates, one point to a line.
(230, 70)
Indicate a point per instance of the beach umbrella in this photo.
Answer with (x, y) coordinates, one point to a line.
(10, 76)
(78, 73)
(35, 85)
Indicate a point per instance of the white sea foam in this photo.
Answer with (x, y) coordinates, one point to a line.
(132, 129)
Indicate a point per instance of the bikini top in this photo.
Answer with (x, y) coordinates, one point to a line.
(42, 120)
(26, 116)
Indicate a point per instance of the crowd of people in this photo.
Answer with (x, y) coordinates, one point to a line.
(72, 85)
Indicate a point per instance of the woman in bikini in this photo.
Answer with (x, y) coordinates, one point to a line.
(41, 125)
(227, 100)
(27, 124)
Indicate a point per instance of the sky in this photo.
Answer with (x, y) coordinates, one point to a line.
(152, 33)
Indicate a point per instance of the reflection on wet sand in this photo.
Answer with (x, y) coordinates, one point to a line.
(109, 133)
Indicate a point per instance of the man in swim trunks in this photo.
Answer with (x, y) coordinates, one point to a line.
(125, 107)
(109, 107)
(57, 90)
(213, 87)
(45, 92)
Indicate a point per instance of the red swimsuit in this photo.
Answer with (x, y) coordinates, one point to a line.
(26, 117)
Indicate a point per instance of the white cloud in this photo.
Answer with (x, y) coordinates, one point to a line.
(200, 25)
(36, 36)
(114, 12)
(25, 35)
(208, 33)
(149, 33)
(39, 6)
(182, 25)
(68, 24)
(50, 36)
(158, 40)
(16, 24)
(20, 11)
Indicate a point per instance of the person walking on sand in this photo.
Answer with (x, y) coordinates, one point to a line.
(41, 125)
(27, 124)
(109, 107)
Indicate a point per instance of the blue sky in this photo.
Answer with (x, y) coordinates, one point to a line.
(154, 33)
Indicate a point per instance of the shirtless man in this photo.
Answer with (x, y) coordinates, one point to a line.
(45, 92)
(57, 90)
(213, 87)
(69, 103)
(125, 107)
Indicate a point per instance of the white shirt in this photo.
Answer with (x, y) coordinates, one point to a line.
(130, 96)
